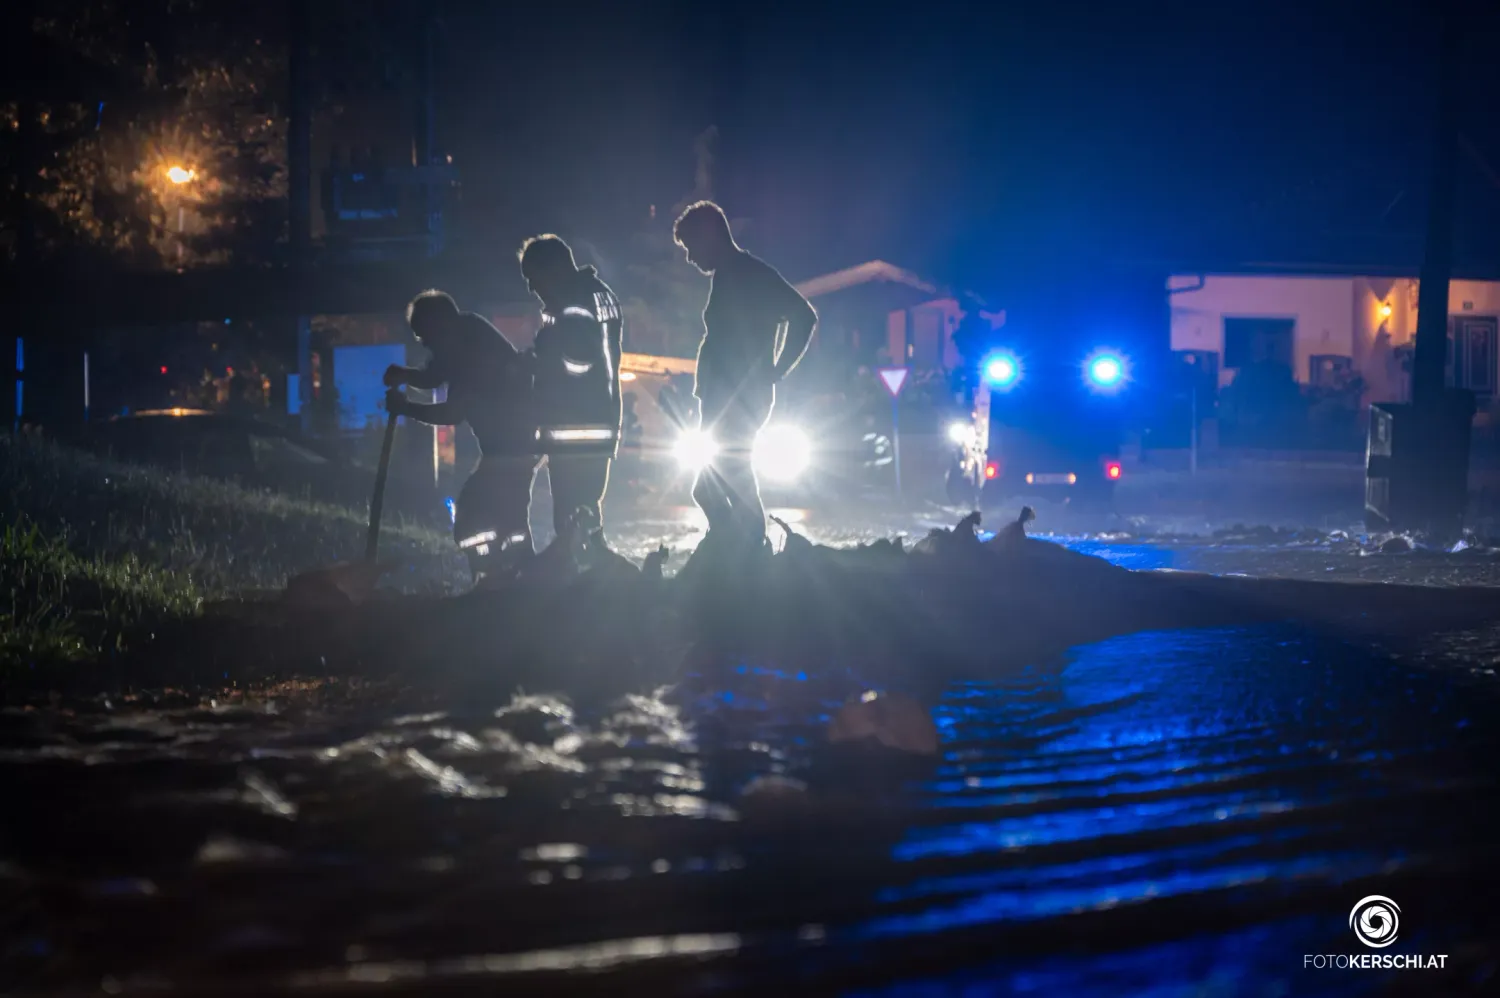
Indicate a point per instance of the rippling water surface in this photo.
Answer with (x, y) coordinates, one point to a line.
(1161, 814)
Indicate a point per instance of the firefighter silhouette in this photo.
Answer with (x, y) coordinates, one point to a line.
(576, 372)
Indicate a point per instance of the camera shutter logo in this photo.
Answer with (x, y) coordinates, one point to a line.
(1375, 920)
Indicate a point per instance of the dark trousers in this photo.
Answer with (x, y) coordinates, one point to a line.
(496, 500)
(578, 485)
(726, 490)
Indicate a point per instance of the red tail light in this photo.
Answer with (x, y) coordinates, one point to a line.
(1112, 469)
(991, 470)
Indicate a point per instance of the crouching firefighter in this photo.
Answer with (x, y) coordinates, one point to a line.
(576, 384)
(489, 387)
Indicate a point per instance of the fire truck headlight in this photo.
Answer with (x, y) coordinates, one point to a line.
(694, 450)
(960, 433)
(782, 453)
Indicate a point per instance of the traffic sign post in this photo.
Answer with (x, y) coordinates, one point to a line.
(894, 379)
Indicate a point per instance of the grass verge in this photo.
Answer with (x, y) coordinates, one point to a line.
(93, 551)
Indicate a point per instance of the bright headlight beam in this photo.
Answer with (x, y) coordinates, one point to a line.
(782, 453)
(959, 433)
(695, 449)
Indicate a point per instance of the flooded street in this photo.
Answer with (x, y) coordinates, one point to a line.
(1172, 813)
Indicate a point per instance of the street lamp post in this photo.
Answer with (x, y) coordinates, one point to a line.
(180, 176)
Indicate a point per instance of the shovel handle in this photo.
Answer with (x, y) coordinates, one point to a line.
(377, 501)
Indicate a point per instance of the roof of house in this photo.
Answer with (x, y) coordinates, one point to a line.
(865, 273)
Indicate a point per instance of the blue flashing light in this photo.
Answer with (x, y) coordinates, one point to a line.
(1002, 370)
(1105, 370)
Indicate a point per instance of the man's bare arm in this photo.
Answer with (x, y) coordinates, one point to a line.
(801, 320)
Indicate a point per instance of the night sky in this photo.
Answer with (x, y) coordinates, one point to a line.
(949, 137)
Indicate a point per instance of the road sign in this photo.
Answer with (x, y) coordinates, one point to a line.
(893, 378)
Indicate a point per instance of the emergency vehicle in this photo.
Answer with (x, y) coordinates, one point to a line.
(1074, 366)
(1055, 425)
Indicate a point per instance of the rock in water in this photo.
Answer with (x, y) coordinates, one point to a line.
(889, 719)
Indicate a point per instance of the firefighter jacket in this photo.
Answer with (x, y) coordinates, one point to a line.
(577, 370)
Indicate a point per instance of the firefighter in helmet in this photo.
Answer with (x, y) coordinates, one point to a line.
(576, 381)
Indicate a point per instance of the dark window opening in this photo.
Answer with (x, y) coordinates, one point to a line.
(1259, 341)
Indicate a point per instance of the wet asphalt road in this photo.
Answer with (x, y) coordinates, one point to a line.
(1181, 813)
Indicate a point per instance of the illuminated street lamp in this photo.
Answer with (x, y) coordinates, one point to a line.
(180, 175)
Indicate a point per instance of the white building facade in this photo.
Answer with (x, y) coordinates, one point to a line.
(1319, 326)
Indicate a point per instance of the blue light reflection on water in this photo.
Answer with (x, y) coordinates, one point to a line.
(1140, 557)
(1032, 902)
(1263, 961)
(1172, 749)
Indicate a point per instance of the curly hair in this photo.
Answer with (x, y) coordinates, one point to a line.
(699, 220)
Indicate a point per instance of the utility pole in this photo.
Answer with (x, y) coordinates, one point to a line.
(424, 138)
(424, 440)
(1428, 376)
(1417, 470)
(299, 185)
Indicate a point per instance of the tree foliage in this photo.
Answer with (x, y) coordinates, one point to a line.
(203, 93)
(199, 86)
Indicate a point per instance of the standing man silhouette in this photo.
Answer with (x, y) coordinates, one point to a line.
(757, 327)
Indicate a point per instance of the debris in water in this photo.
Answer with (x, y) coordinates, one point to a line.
(891, 719)
(227, 849)
(773, 786)
(264, 794)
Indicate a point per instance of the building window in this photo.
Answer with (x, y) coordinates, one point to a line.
(1259, 341)
(1471, 353)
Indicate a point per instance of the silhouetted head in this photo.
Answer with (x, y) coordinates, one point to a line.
(547, 264)
(703, 231)
(433, 316)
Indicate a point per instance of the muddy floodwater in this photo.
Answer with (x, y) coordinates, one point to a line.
(1185, 813)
